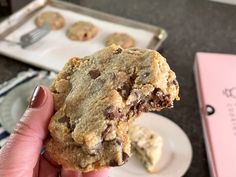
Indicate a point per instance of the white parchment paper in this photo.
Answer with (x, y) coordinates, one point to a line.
(53, 51)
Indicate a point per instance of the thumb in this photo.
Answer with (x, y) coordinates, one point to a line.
(21, 152)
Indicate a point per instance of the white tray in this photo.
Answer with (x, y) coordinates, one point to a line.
(53, 51)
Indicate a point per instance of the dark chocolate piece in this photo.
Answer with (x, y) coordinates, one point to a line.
(112, 112)
(113, 163)
(94, 73)
(106, 131)
(64, 119)
(119, 50)
(125, 157)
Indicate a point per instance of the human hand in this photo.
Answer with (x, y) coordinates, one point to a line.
(20, 156)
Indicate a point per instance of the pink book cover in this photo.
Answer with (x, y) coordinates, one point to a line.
(215, 76)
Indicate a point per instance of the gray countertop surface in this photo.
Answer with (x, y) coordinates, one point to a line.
(192, 25)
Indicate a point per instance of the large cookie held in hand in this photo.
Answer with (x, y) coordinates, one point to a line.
(97, 97)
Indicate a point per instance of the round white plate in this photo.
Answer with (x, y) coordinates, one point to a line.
(16, 101)
(177, 150)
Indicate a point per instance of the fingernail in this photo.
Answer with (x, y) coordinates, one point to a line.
(37, 97)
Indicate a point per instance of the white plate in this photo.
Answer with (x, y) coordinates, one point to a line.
(177, 150)
(16, 101)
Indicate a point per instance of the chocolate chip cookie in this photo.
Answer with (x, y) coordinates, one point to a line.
(55, 20)
(122, 39)
(147, 146)
(81, 31)
(97, 97)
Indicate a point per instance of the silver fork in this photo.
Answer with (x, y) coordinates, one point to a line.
(32, 36)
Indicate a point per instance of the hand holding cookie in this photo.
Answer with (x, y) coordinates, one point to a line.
(21, 154)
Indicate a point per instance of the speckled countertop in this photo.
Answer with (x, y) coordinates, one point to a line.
(192, 25)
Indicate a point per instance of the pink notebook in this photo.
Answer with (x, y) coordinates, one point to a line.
(215, 76)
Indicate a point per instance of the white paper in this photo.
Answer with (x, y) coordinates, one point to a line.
(53, 51)
(233, 2)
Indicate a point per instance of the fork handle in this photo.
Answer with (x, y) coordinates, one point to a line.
(34, 36)
(27, 41)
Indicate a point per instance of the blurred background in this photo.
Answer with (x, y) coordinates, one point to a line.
(192, 26)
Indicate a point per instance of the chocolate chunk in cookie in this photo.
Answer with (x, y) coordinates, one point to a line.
(94, 73)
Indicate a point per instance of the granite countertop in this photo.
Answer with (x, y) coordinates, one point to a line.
(192, 26)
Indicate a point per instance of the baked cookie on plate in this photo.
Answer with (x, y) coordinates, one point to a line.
(146, 145)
